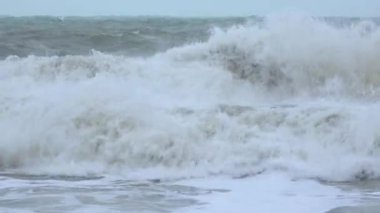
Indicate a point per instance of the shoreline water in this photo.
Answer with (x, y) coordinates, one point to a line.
(262, 193)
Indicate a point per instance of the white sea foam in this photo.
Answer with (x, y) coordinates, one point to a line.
(293, 94)
(269, 193)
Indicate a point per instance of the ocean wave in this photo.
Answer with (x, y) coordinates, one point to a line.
(131, 36)
(293, 94)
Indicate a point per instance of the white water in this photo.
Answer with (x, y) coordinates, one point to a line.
(268, 193)
(293, 95)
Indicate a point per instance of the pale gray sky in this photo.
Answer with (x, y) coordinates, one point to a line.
(364, 8)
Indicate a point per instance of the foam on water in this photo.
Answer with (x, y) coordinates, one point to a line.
(269, 193)
(27, 193)
(292, 94)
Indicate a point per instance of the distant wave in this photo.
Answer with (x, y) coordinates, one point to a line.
(139, 36)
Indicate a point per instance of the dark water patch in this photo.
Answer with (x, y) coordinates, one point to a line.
(367, 209)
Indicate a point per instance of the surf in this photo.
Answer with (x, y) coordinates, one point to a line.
(286, 95)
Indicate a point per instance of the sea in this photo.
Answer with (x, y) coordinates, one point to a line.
(279, 113)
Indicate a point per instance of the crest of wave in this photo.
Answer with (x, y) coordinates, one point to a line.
(295, 55)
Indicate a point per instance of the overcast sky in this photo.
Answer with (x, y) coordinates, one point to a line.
(364, 8)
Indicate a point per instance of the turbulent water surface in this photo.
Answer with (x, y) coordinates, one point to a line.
(113, 114)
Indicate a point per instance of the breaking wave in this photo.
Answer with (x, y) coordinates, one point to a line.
(291, 94)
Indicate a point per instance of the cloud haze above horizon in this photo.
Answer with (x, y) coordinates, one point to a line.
(362, 8)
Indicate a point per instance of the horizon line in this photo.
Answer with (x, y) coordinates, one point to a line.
(176, 16)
